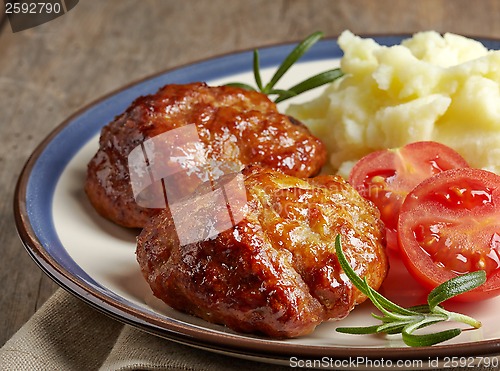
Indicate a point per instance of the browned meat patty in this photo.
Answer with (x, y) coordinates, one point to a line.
(275, 272)
(234, 126)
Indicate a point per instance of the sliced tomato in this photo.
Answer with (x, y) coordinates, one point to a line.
(450, 225)
(385, 177)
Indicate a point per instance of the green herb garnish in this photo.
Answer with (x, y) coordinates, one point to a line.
(283, 94)
(396, 319)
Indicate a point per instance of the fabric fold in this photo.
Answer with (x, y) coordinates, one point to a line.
(64, 334)
(67, 334)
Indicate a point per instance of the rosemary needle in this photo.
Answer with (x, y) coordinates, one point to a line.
(308, 84)
(396, 319)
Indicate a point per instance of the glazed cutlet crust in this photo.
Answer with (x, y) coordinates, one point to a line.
(275, 272)
(235, 126)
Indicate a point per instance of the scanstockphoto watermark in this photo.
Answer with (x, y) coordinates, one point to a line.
(24, 14)
(356, 362)
(206, 195)
(175, 169)
(451, 362)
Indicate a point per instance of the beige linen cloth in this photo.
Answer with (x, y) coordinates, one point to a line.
(67, 334)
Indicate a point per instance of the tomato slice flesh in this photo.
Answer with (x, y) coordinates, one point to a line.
(468, 196)
(450, 249)
(450, 225)
(377, 187)
(386, 177)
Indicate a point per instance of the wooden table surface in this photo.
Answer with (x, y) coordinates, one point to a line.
(50, 71)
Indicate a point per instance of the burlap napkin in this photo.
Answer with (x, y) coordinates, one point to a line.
(67, 334)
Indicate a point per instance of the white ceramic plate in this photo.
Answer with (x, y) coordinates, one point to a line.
(95, 259)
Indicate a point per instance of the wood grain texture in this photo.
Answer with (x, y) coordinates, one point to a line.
(50, 71)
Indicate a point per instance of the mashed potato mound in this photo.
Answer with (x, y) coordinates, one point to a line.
(431, 87)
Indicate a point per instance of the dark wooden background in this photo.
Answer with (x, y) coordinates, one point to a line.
(50, 71)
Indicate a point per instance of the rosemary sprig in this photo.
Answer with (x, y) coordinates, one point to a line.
(396, 319)
(308, 84)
